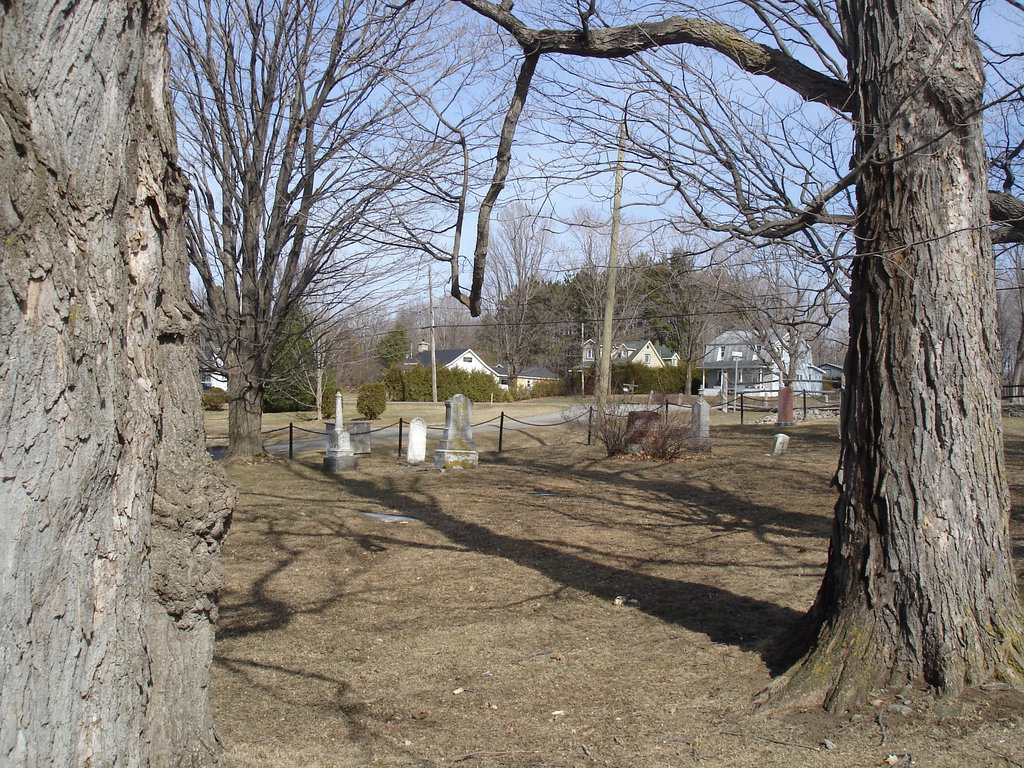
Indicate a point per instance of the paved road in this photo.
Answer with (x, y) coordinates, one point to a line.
(277, 443)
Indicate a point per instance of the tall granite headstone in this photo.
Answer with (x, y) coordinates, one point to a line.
(700, 426)
(457, 449)
(786, 417)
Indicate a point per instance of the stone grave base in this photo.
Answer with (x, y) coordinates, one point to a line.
(447, 459)
(340, 463)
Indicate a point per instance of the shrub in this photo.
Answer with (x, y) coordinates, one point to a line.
(327, 404)
(547, 389)
(648, 379)
(214, 399)
(611, 431)
(372, 400)
(412, 383)
(665, 444)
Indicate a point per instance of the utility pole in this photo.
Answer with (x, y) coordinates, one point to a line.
(433, 351)
(604, 371)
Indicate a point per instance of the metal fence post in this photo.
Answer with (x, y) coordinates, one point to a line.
(741, 409)
(399, 437)
(590, 424)
(805, 405)
(501, 430)
(291, 441)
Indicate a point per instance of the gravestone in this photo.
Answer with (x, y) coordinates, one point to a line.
(457, 449)
(781, 444)
(786, 417)
(640, 427)
(700, 426)
(339, 448)
(359, 432)
(417, 452)
(679, 399)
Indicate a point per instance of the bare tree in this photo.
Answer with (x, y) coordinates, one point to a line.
(294, 132)
(518, 254)
(783, 300)
(919, 583)
(111, 513)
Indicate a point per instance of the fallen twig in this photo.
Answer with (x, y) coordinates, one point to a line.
(472, 755)
(881, 725)
(1004, 756)
(773, 741)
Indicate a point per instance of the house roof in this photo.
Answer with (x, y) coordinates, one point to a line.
(734, 342)
(635, 346)
(444, 357)
(529, 372)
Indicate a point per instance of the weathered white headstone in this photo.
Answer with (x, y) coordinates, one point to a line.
(359, 432)
(338, 420)
(417, 452)
(457, 450)
(781, 444)
(700, 426)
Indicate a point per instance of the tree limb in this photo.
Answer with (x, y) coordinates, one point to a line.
(619, 42)
(1006, 209)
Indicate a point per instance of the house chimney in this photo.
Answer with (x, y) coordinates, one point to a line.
(423, 346)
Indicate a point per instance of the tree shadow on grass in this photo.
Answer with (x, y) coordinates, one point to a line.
(723, 616)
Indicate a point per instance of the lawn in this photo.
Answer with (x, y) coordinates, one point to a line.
(555, 608)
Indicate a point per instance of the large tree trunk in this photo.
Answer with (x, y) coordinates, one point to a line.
(246, 385)
(919, 583)
(111, 520)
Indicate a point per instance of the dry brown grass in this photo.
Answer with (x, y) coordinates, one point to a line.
(553, 608)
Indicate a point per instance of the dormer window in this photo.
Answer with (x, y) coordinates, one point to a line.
(721, 353)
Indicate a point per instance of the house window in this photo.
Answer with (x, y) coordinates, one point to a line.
(588, 353)
(721, 353)
(647, 359)
(467, 359)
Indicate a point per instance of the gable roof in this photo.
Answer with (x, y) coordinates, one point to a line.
(445, 357)
(529, 372)
(734, 342)
(634, 348)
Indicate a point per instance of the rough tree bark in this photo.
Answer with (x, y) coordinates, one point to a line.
(111, 517)
(920, 583)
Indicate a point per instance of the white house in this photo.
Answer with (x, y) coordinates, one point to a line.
(644, 352)
(466, 359)
(738, 357)
(208, 379)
